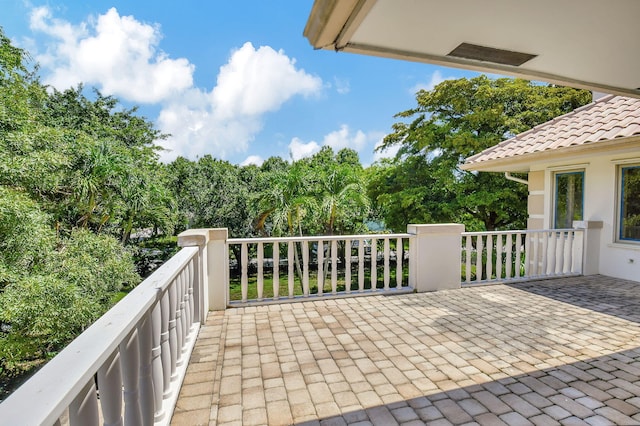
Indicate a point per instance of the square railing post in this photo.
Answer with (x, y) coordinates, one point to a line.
(198, 238)
(589, 252)
(213, 267)
(435, 256)
(218, 269)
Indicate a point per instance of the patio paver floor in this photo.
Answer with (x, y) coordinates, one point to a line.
(563, 351)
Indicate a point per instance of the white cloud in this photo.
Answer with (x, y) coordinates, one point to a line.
(435, 79)
(116, 53)
(344, 139)
(255, 81)
(253, 159)
(342, 85)
(120, 56)
(299, 149)
(225, 120)
(387, 153)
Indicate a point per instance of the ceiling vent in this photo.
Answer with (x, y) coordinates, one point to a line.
(490, 54)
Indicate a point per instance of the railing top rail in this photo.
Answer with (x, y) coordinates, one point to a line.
(317, 238)
(61, 379)
(524, 231)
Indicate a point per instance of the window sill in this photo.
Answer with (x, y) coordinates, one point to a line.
(635, 245)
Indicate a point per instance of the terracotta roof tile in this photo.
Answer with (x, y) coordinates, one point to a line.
(607, 118)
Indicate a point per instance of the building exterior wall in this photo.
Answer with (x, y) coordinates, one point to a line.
(535, 202)
(617, 259)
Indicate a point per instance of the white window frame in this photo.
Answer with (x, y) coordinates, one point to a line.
(619, 203)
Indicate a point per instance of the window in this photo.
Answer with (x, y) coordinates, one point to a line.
(629, 226)
(569, 199)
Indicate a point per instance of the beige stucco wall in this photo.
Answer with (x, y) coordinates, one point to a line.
(535, 204)
(617, 259)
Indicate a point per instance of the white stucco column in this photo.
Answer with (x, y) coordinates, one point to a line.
(198, 238)
(213, 268)
(435, 256)
(590, 245)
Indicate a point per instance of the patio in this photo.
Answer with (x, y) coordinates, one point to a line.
(562, 351)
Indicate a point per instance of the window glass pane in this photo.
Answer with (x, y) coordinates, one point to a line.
(569, 199)
(630, 209)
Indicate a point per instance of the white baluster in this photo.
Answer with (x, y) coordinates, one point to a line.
(518, 260)
(536, 241)
(498, 256)
(467, 259)
(260, 270)
(568, 251)
(399, 259)
(386, 273)
(347, 265)
(166, 346)
(130, 356)
(110, 385)
(305, 268)
(276, 270)
(174, 329)
(290, 264)
(479, 255)
(189, 295)
(560, 253)
(374, 264)
(156, 361)
(83, 410)
(489, 257)
(527, 255)
(145, 339)
(320, 259)
(545, 253)
(509, 256)
(180, 326)
(361, 265)
(244, 276)
(334, 266)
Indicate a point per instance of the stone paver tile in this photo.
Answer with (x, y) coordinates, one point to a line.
(615, 416)
(556, 412)
(452, 411)
(492, 402)
(520, 405)
(489, 419)
(573, 421)
(622, 406)
(381, 416)
(404, 414)
(543, 420)
(334, 421)
(590, 390)
(191, 417)
(598, 421)
(194, 402)
(571, 406)
(515, 419)
(472, 407)
(230, 413)
(536, 400)
(254, 416)
(428, 414)
(279, 413)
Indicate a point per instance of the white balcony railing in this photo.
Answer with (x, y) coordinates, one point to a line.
(319, 266)
(520, 255)
(127, 367)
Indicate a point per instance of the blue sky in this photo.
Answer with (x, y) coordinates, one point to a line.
(236, 80)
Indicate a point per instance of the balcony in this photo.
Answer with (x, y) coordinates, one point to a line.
(178, 347)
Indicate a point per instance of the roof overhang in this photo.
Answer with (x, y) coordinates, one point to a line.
(525, 162)
(591, 44)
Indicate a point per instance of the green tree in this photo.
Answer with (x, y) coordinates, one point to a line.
(455, 120)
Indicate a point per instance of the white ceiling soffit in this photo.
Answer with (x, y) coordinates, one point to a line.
(592, 44)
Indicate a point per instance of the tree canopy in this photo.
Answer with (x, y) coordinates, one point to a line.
(455, 120)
